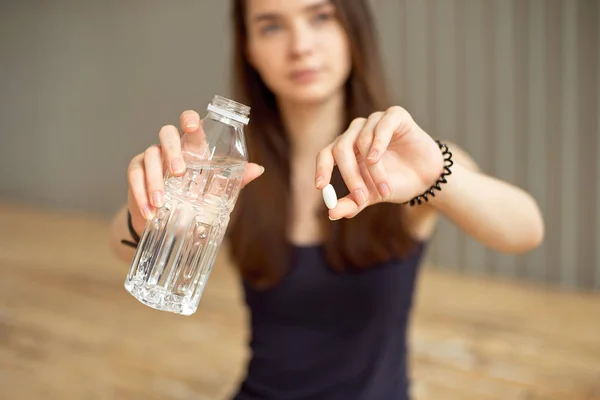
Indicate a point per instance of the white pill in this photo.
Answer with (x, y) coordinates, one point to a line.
(329, 196)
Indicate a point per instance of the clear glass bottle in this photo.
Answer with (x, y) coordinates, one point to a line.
(178, 247)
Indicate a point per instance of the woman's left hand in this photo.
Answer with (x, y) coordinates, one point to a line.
(384, 158)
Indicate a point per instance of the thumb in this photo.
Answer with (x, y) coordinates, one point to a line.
(252, 172)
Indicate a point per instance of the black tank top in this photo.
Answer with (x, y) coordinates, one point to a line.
(323, 335)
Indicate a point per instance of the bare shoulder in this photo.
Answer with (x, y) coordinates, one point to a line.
(422, 220)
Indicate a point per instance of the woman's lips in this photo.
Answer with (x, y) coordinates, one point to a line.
(304, 75)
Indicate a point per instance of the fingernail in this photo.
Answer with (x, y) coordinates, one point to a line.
(147, 213)
(262, 170)
(360, 197)
(318, 181)
(333, 219)
(373, 154)
(158, 199)
(384, 190)
(177, 166)
(191, 124)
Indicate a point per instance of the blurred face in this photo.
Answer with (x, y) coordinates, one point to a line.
(298, 47)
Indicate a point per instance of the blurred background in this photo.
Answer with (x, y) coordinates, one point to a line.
(86, 85)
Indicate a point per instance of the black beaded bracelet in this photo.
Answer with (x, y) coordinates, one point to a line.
(132, 232)
(418, 200)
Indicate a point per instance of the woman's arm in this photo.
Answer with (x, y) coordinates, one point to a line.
(388, 157)
(495, 213)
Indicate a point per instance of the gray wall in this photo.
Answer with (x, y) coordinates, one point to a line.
(517, 84)
(86, 85)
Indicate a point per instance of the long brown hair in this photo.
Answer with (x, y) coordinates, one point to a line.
(258, 229)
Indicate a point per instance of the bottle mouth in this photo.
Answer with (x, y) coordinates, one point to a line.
(230, 109)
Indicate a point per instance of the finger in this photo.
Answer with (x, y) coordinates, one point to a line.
(345, 158)
(154, 176)
(345, 208)
(194, 141)
(252, 172)
(324, 167)
(170, 143)
(395, 120)
(365, 136)
(326, 161)
(137, 185)
(370, 134)
(189, 121)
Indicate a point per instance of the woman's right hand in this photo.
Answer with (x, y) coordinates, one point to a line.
(146, 170)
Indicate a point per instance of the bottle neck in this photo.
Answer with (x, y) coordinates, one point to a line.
(225, 120)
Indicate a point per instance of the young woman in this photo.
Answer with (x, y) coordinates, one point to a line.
(330, 298)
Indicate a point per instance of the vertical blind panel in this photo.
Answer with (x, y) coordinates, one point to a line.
(535, 136)
(520, 14)
(595, 239)
(553, 97)
(474, 139)
(503, 144)
(569, 256)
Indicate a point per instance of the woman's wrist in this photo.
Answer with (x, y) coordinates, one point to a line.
(454, 188)
(442, 180)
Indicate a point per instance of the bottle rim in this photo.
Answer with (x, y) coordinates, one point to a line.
(228, 114)
(230, 109)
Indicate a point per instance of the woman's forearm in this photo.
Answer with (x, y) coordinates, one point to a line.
(497, 214)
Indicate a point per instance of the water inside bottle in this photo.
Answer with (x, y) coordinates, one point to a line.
(179, 246)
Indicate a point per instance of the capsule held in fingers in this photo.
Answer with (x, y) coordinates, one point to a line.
(329, 196)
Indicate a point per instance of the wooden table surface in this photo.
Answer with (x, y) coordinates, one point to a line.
(68, 329)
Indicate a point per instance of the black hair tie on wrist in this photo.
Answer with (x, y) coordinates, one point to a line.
(420, 199)
(132, 232)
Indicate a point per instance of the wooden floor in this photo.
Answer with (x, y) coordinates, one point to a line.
(68, 329)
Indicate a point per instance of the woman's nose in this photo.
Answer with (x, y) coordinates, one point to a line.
(302, 40)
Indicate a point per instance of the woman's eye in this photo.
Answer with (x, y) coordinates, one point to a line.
(321, 17)
(270, 28)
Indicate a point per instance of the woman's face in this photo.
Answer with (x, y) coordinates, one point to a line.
(298, 47)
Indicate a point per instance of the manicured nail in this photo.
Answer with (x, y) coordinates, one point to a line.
(177, 166)
(360, 197)
(147, 213)
(384, 190)
(262, 170)
(158, 199)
